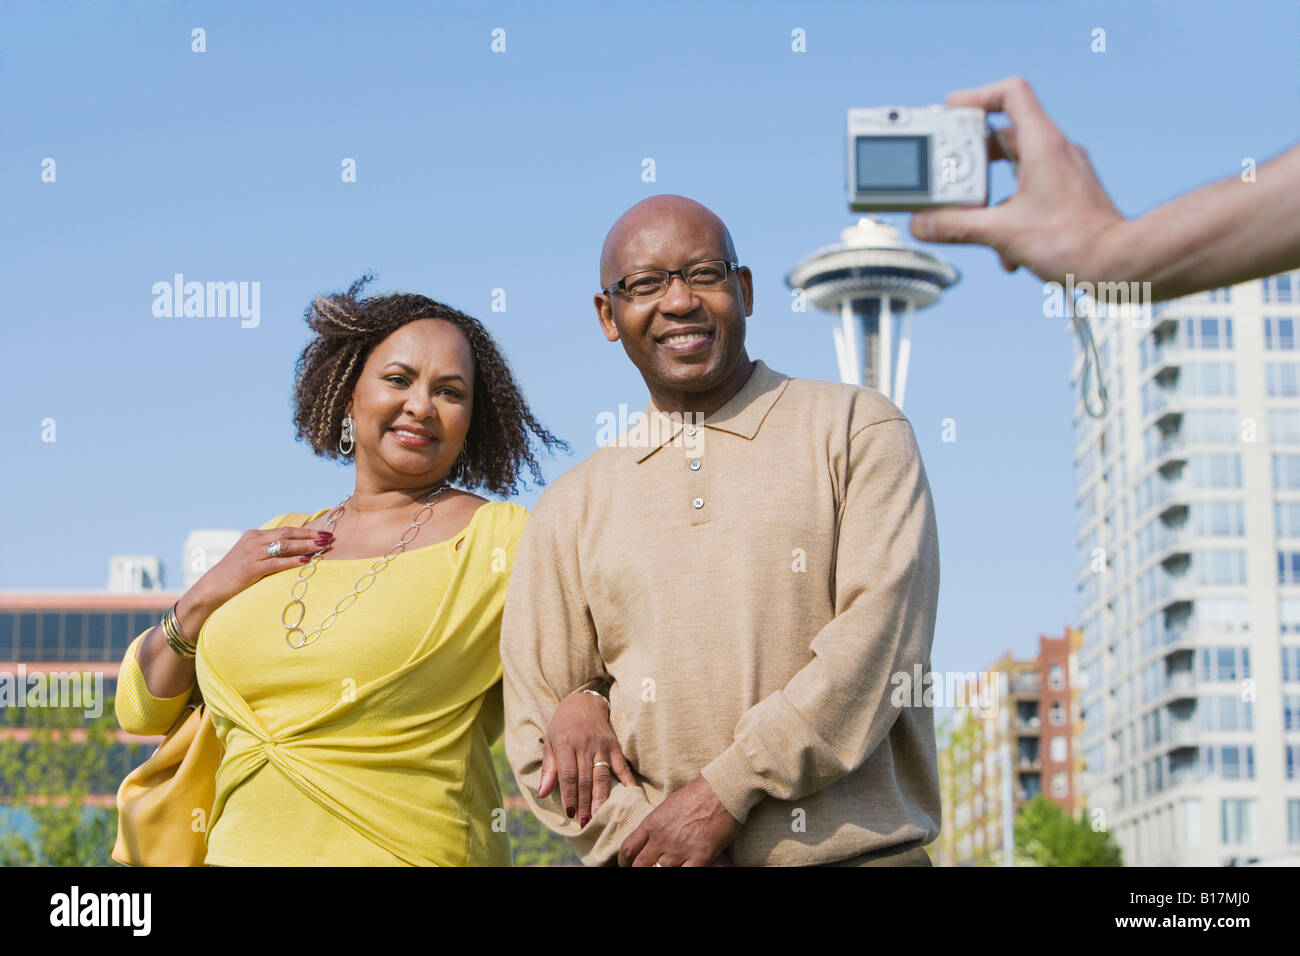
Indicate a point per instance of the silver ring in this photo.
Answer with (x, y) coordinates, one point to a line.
(656, 863)
(599, 763)
(273, 549)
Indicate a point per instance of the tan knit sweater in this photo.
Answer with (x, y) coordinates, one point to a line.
(748, 613)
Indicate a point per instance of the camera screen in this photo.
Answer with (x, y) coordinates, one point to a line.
(886, 163)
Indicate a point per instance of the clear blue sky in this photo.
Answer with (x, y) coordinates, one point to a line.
(479, 170)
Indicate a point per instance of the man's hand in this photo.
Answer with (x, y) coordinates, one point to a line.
(1060, 220)
(1059, 216)
(690, 828)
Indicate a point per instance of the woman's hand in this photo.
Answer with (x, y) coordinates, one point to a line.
(578, 737)
(244, 564)
(166, 674)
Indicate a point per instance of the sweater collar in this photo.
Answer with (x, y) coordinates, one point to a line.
(743, 414)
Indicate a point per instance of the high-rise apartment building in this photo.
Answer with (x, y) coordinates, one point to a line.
(1188, 555)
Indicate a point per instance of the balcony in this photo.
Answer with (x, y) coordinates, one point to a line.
(1028, 756)
(1159, 495)
(1167, 357)
(1164, 326)
(1186, 630)
(1180, 684)
(1175, 591)
(1176, 563)
(1182, 733)
(1171, 419)
(1172, 545)
(1162, 400)
(1176, 634)
(1026, 685)
(1170, 449)
(1183, 767)
(1028, 788)
(1032, 724)
(1155, 400)
(1173, 496)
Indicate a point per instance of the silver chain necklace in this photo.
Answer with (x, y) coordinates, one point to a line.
(307, 570)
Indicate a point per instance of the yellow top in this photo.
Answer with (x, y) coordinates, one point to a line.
(369, 747)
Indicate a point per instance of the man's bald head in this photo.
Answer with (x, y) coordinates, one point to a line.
(664, 225)
(687, 342)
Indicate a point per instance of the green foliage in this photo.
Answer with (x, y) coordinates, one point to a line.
(531, 843)
(960, 747)
(1048, 836)
(49, 777)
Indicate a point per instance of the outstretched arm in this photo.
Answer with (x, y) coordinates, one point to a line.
(1061, 221)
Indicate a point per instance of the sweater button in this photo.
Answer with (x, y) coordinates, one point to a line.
(695, 464)
(698, 503)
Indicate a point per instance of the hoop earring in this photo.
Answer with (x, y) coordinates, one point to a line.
(459, 467)
(347, 436)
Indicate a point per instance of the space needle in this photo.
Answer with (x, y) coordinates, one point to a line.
(873, 281)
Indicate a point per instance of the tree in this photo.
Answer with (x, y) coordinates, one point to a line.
(960, 745)
(52, 776)
(531, 842)
(1048, 836)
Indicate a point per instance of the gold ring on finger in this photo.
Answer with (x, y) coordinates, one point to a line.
(599, 763)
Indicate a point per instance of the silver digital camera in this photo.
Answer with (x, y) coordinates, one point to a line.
(902, 158)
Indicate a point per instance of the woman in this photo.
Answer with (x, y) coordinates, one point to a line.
(349, 656)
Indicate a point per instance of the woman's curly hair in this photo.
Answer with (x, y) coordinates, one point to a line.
(348, 328)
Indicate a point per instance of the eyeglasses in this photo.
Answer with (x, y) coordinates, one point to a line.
(698, 275)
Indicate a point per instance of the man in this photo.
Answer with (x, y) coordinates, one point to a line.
(746, 587)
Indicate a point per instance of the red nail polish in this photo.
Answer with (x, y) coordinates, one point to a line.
(570, 811)
(304, 558)
(584, 821)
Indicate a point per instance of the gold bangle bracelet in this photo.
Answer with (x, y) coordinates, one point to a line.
(177, 641)
(172, 625)
(181, 651)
